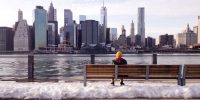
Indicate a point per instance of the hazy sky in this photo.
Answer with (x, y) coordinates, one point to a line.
(161, 16)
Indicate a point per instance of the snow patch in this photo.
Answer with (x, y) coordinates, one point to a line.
(63, 90)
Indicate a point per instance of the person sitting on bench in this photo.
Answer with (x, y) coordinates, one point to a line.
(118, 61)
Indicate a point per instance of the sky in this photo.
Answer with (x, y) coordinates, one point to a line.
(161, 16)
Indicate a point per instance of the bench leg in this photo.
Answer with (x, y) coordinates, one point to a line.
(85, 83)
(181, 82)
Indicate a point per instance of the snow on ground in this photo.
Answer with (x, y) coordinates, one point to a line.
(99, 89)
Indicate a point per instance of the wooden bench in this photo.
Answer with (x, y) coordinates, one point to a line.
(190, 71)
(93, 71)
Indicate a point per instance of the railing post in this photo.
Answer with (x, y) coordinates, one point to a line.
(30, 67)
(154, 58)
(92, 59)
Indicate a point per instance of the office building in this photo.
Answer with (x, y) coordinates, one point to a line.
(138, 40)
(52, 13)
(187, 38)
(82, 18)
(113, 34)
(141, 25)
(20, 15)
(103, 23)
(150, 43)
(90, 31)
(123, 30)
(166, 41)
(6, 39)
(198, 39)
(68, 17)
(40, 27)
(132, 35)
(52, 36)
(195, 29)
(22, 37)
(107, 35)
(70, 33)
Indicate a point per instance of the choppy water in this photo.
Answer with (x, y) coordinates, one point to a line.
(65, 66)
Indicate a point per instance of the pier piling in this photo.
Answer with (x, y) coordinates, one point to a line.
(154, 58)
(92, 59)
(30, 67)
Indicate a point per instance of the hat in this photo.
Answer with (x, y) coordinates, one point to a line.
(119, 54)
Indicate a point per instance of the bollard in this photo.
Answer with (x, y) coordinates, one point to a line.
(92, 59)
(30, 67)
(154, 58)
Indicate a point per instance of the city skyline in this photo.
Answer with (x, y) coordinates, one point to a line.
(171, 18)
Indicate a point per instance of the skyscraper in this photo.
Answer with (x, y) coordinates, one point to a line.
(40, 27)
(113, 34)
(103, 22)
(22, 37)
(20, 15)
(198, 29)
(123, 30)
(132, 35)
(82, 18)
(68, 17)
(187, 38)
(52, 35)
(6, 39)
(90, 32)
(166, 40)
(52, 16)
(141, 25)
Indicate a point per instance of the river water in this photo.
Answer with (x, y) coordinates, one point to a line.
(70, 66)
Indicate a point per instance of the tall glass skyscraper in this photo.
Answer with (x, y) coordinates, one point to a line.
(68, 17)
(40, 27)
(103, 22)
(141, 25)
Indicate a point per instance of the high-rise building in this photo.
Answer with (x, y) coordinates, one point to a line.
(90, 32)
(166, 41)
(70, 32)
(187, 38)
(113, 34)
(68, 17)
(20, 15)
(82, 18)
(138, 40)
(107, 35)
(150, 43)
(52, 16)
(132, 35)
(6, 39)
(40, 27)
(53, 38)
(195, 29)
(62, 36)
(22, 37)
(123, 30)
(198, 28)
(103, 22)
(141, 25)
